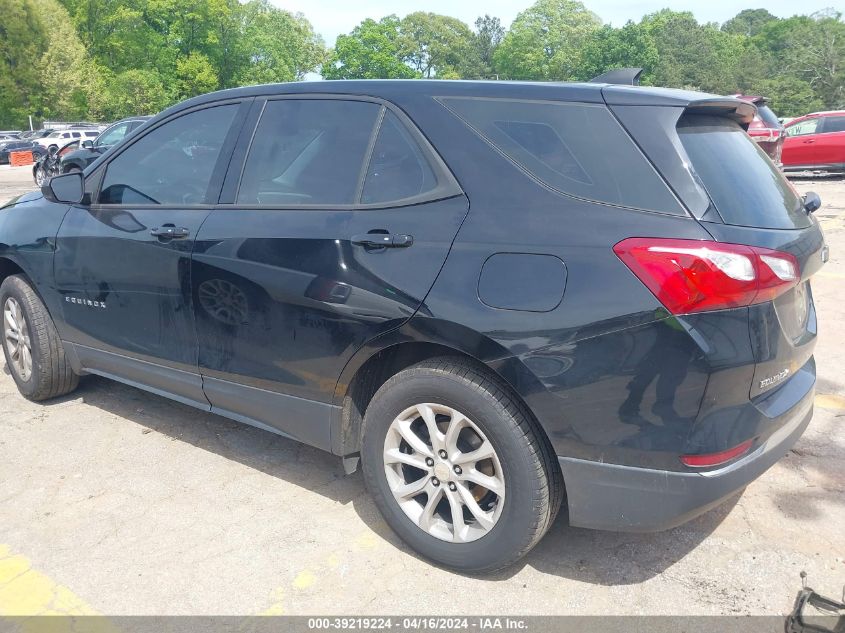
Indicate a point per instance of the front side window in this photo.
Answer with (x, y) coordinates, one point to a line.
(807, 126)
(577, 149)
(172, 164)
(113, 135)
(308, 152)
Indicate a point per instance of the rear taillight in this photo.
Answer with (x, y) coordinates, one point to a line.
(697, 276)
(715, 459)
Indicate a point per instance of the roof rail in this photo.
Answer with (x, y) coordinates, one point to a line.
(624, 76)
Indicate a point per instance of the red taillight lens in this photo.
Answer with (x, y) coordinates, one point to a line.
(697, 275)
(714, 459)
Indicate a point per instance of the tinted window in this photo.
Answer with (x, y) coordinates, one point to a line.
(834, 124)
(398, 169)
(575, 148)
(744, 185)
(308, 152)
(765, 113)
(807, 126)
(172, 164)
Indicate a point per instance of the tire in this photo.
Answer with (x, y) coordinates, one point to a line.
(522, 467)
(49, 372)
(39, 176)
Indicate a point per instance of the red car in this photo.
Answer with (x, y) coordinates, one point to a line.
(815, 142)
(765, 128)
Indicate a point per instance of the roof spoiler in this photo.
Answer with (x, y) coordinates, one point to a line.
(623, 76)
(740, 111)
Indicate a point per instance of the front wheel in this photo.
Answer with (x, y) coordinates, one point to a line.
(39, 175)
(457, 467)
(34, 353)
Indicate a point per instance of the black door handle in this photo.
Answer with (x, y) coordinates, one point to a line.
(170, 232)
(383, 240)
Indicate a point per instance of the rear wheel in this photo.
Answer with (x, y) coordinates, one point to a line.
(34, 353)
(457, 466)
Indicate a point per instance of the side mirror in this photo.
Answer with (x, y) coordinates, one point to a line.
(812, 202)
(66, 188)
(87, 144)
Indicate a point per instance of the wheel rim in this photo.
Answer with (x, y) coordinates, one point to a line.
(16, 338)
(224, 301)
(444, 473)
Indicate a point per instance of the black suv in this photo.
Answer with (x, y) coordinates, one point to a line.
(500, 297)
(90, 151)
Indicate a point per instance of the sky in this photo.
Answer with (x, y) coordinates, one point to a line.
(333, 17)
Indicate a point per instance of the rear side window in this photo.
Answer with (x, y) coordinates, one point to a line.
(834, 124)
(577, 149)
(743, 184)
(308, 152)
(398, 169)
(173, 164)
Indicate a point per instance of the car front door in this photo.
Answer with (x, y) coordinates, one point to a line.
(830, 143)
(122, 263)
(799, 147)
(332, 235)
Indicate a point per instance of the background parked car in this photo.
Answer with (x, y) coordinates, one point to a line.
(7, 147)
(766, 129)
(816, 142)
(91, 150)
(60, 138)
(35, 134)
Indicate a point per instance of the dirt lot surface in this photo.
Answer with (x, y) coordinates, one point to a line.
(116, 501)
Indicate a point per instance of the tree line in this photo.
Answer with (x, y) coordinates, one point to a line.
(105, 59)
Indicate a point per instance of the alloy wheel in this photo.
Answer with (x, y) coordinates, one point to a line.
(16, 338)
(444, 473)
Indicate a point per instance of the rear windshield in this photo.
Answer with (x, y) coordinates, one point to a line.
(577, 149)
(744, 185)
(765, 113)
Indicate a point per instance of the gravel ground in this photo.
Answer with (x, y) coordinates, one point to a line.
(116, 501)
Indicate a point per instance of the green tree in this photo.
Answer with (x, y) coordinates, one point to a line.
(438, 45)
(373, 50)
(812, 49)
(789, 96)
(607, 48)
(23, 41)
(134, 92)
(195, 76)
(64, 69)
(748, 22)
(546, 41)
(486, 39)
(278, 45)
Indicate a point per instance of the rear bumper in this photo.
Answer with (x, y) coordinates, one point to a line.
(628, 499)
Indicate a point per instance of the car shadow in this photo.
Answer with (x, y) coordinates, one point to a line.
(595, 557)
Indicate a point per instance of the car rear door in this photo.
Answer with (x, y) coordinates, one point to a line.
(830, 142)
(799, 147)
(122, 263)
(334, 222)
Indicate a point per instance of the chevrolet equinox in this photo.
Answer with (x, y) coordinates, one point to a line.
(500, 298)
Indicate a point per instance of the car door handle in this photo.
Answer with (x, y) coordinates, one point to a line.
(810, 140)
(383, 240)
(170, 232)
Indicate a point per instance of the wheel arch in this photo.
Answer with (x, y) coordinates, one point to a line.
(418, 340)
(9, 267)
